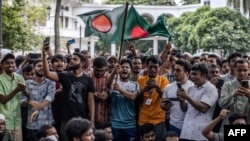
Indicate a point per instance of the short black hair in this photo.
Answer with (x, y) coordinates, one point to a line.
(203, 68)
(100, 62)
(76, 127)
(233, 55)
(236, 116)
(19, 59)
(81, 56)
(42, 132)
(27, 68)
(218, 60)
(155, 59)
(56, 57)
(144, 59)
(185, 64)
(102, 135)
(125, 60)
(223, 61)
(241, 61)
(36, 61)
(146, 128)
(170, 134)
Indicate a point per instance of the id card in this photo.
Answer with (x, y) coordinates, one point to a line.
(148, 101)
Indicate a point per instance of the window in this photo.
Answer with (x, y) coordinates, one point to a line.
(66, 8)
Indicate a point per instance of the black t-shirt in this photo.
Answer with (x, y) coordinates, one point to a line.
(75, 95)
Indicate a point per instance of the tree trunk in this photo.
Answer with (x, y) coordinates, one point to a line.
(57, 26)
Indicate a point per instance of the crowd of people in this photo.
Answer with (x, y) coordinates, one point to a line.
(168, 97)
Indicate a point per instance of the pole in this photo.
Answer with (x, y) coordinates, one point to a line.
(1, 34)
(123, 30)
(122, 38)
(80, 42)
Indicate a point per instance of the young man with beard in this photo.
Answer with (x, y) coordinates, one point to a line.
(41, 91)
(136, 68)
(78, 90)
(150, 97)
(170, 101)
(199, 102)
(147, 132)
(4, 133)
(11, 87)
(102, 98)
(123, 94)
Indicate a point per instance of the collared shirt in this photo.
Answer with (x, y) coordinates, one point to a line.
(12, 109)
(227, 77)
(234, 104)
(40, 92)
(102, 107)
(151, 112)
(195, 120)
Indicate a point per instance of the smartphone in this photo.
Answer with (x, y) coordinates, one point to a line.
(47, 40)
(77, 50)
(245, 83)
(35, 56)
(72, 41)
(178, 52)
(179, 85)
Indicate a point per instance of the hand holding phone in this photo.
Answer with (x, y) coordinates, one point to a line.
(46, 43)
(179, 85)
(245, 83)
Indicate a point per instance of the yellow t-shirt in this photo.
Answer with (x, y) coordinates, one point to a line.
(151, 113)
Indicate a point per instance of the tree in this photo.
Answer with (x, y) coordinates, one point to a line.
(57, 26)
(210, 29)
(19, 20)
(237, 4)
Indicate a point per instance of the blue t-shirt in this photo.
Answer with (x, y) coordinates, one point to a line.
(123, 114)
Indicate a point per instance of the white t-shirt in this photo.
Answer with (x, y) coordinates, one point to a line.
(176, 114)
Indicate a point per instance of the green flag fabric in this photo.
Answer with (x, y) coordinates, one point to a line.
(105, 24)
(136, 26)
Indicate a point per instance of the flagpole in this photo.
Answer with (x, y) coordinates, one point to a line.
(122, 38)
(123, 30)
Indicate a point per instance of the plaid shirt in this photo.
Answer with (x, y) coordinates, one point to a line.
(102, 107)
(40, 92)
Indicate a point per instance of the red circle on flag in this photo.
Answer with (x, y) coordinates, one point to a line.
(101, 23)
(138, 32)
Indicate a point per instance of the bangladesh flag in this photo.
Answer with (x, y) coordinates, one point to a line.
(136, 26)
(105, 24)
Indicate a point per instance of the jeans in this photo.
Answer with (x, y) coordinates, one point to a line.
(124, 134)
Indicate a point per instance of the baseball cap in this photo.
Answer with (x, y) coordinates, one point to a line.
(7, 56)
(112, 57)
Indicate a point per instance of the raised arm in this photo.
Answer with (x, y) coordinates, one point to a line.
(207, 130)
(47, 73)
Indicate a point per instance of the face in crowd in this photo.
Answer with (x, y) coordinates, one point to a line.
(58, 65)
(39, 69)
(241, 69)
(125, 71)
(148, 136)
(112, 62)
(136, 65)
(75, 63)
(8, 65)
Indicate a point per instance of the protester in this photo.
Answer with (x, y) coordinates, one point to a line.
(4, 133)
